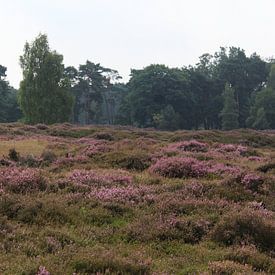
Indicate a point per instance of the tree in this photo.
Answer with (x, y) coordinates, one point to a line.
(167, 119)
(9, 109)
(229, 113)
(44, 95)
(92, 87)
(152, 89)
(262, 112)
(245, 74)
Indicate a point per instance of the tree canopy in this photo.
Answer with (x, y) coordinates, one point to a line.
(44, 95)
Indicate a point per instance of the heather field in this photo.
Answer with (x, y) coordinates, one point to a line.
(118, 200)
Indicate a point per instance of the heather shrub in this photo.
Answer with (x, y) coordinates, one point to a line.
(163, 228)
(48, 156)
(249, 255)
(104, 136)
(70, 160)
(93, 147)
(111, 263)
(43, 271)
(124, 194)
(186, 146)
(41, 126)
(131, 161)
(13, 155)
(266, 167)
(20, 180)
(228, 268)
(6, 162)
(32, 211)
(252, 181)
(247, 226)
(233, 148)
(99, 177)
(179, 167)
(5, 226)
(30, 161)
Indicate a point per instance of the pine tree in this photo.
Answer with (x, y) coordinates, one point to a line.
(229, 113)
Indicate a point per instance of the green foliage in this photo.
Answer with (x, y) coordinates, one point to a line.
(168, 119)
(262, 113)
(9, 109)
(152, 89)
(95, 95)
(44, 92)
(229, 112)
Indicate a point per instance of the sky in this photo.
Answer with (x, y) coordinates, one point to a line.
(125, 34)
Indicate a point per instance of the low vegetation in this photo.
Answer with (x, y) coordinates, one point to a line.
(107, 200)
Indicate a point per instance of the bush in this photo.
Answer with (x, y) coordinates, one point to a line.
(178, 167)
(48, 156)
(130, 161)
(267, 167)
(103, 135)
(157, 228)
(41, 126)
(30, 161)
(108, 262)
(14, 155)
(20, 180)
(247, 226)
(252, 181)
(249, 255)
(189, 146)
(228, 268)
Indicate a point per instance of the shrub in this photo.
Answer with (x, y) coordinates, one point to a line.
(70, 160)
(99, 178)
(111, 263)
(179, 167)
(129, 161)
(190, 146)
(161, 228)
(48, 156)
(41, 126)
(20, 180)
(30, 161)
(247, 226)
(43, 271)
(14, 155)
(127, 194)
(228, 268)
(252, 181)
(232, 148)
(267, 167)
(6, 162)
(249, 255)
(103, 135)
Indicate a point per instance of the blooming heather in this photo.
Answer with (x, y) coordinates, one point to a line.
(179, 167)
(252, 181)
(221, 168)
(187, 146)
(128, 194)
(96, 177)
(20, 180)
(71, 160)
(93, 146)
(232, 148)
(43, 271)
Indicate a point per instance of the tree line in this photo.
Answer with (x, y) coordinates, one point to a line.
(226, 90)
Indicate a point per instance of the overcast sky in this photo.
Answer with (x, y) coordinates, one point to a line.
(125, 34)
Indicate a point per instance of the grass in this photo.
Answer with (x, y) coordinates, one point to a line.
(24, 147)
